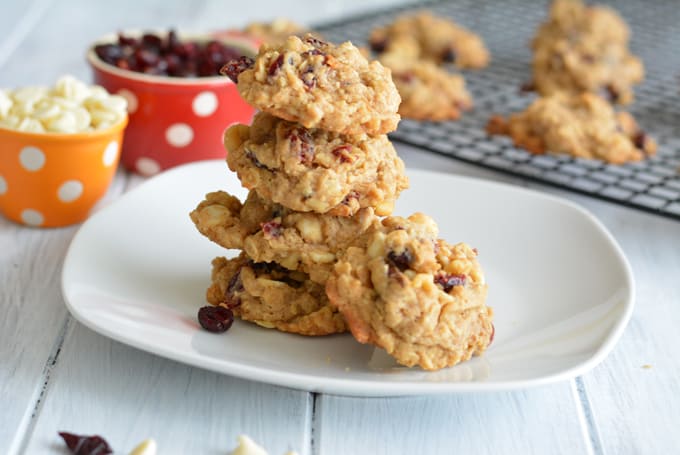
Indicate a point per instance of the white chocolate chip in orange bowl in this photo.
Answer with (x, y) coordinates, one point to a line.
(5, 103)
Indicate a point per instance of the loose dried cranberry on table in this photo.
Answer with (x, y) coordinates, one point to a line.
(216, 319)
(85, 445)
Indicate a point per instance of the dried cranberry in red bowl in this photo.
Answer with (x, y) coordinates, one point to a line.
(167, 55)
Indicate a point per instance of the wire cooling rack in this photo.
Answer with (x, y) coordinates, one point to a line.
(652, 185)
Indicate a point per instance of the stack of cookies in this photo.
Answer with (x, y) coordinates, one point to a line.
(581, 64)
(317, 257)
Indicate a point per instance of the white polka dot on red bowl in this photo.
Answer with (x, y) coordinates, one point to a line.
(110, 154)
(32, 158)
(32, 217)
(179, 135)
(132, 102)
(204, 104)
(147, 166)
(70, 190)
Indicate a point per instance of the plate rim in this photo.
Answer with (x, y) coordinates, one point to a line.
(354, 386)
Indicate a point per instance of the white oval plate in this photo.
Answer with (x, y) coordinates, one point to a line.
(561, 289)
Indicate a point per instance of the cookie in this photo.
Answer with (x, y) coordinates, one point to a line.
(427, 91)
(275, 31)
(312, 170)
(423, 36)
(584, 48)
(273, 297)
(584, 126)
(319, 85)
(269, 232)
(419, 298)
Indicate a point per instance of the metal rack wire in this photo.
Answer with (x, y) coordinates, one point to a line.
(652, 185)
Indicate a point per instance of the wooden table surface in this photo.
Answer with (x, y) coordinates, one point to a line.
(57, 375)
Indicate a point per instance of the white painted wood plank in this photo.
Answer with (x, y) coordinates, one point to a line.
(33, 314)
(537, 421)
(126, 395)
(637, 409)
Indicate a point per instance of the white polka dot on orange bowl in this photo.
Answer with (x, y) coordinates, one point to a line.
(174, 120)
(50, 179)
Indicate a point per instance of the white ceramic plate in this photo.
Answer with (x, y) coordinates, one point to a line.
(561, 288)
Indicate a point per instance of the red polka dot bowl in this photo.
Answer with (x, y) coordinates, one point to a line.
(174, 120)
(51, 179)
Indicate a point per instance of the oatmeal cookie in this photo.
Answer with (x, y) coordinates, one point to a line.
(584, 126)
(319, 85)
(419, 298)
(426, 37)
(269, 232)
(427, 91)
(585, 48)
(275, 31)
(313, 169)
(273, 297)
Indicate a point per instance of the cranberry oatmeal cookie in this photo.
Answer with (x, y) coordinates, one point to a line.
(585, 48)
(427, 91)
(319, 85)
(269, 232)
(419, 298)
(275, 31)
(426, 37)
(584, 126)
(313, 169)
(273, 297)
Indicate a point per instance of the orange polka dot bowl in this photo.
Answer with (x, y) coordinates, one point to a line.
(173, 120)
(55, 179)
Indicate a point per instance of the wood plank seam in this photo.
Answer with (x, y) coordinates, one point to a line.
(591, 435)
(23, 437)
(313, 423)
(22, 28)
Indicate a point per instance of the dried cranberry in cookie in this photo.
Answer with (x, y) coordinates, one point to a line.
(321, 85)
(268, 232)
(272, 297)
(418, 297)
(313, 170)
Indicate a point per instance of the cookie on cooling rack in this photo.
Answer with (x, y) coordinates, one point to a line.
(584, 126)
(427, 91)
(424, 36)
(585, 48)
